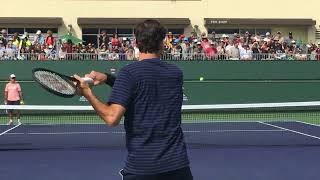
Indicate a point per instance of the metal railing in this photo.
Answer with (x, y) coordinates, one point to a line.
(165, 56)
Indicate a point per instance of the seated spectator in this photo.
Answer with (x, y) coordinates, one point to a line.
(62, 53)
(50, 52)
(114, 55)
(245, 52)
(2, 50)
(136, 52)
(39, 38)
(256, 51)
(10, 51)
(317, 51)
(130, 54)
(233, 52)
(50, 41)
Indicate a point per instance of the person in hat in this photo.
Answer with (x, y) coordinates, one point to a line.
(13, 96)
(169, 40)
(39, 38)
(289, 38)
(25, 42)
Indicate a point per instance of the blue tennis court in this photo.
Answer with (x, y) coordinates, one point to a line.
(218, 150)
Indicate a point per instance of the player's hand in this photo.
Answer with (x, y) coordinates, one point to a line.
(98, 77)
(83, 87)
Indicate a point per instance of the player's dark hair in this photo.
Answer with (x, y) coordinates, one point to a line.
(149, 36)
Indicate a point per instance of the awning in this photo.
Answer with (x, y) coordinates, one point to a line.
(130, 21)
(239, 21)
(53, 21)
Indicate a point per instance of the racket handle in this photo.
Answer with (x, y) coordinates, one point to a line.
(88, 80)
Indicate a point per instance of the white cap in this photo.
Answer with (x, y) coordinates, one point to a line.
(266, 39)
(225, 36)
(38, 32)
(50, 46)
(198, 42)
(267, 34)
(12, 76)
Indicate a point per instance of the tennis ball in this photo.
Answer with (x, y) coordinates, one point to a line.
(201, 78)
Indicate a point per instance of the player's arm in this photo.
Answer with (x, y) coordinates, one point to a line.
(20, 94)
(111, 114)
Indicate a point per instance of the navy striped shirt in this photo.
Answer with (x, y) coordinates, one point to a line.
(151, 92)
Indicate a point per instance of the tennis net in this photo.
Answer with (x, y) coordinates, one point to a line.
(204, 126)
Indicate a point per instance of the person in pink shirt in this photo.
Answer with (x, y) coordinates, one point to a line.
(13, 96)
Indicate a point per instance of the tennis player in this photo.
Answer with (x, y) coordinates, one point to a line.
(13, 96)
(148, 93)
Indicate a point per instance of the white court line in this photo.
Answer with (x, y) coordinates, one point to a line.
(308, 123)
(122, 132)
(290, 130)
(186, 122)
(10, 129)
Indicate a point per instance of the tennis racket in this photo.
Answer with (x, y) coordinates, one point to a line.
(56, 83)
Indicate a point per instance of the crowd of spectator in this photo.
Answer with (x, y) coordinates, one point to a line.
(176, 47)
(18, 47)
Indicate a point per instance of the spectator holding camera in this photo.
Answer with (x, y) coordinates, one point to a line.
(39, 38)
(104, 38)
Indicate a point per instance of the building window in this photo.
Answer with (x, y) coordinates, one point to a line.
(91, 35)
(31, 31)
(176, 31)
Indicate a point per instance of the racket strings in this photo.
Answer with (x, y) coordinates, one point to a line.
(55, 82)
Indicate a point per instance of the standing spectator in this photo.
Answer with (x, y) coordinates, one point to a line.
(115, 42)
(213, 36)
(13, 96)
(247, 38)
(16, 41)
(289, 39)
(50, 41)
(169, 41)
(39, 39)
(185, 48)
(103, 38)
(207, 47)
(4, 37)
(279, 36)
(25, 42)
(257, 37)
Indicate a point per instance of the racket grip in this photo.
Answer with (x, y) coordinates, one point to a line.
(88, 80)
